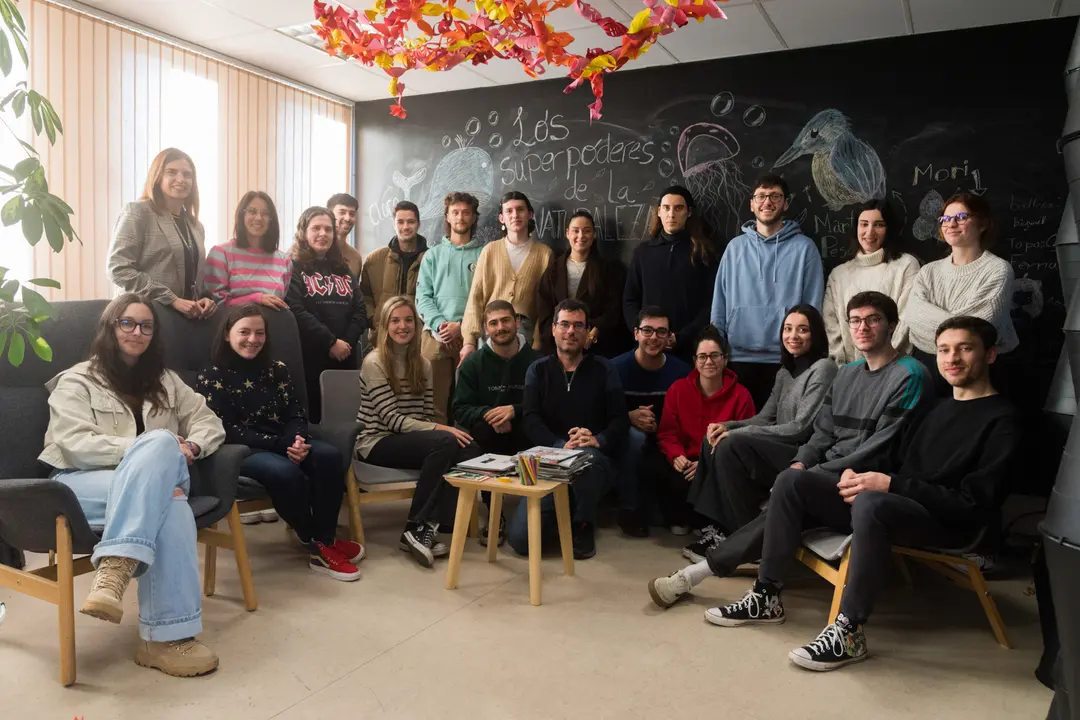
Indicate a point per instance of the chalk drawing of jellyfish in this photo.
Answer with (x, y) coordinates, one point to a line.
(707, 160)
(846, 169)
(926, 227)
(406, 184)
(466, 169)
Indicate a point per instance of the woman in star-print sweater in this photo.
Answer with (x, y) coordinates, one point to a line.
(253, 395)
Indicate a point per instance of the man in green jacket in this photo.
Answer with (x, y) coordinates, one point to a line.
(442, 291)
(491, 382)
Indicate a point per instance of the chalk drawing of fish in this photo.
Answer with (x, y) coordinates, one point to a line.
(408, 183)
(466, 169)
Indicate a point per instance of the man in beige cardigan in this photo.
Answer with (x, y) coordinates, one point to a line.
(509, 269)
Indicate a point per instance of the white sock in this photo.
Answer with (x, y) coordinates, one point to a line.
(697, 572)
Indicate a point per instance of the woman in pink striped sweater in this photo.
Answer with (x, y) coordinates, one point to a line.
(251, 268)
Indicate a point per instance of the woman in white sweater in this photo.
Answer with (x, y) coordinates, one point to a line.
(397, 411)
(878, 265)
(971, 281)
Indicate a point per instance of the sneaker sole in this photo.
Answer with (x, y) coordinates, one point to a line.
(656, 598)
(729, 622)
(359, 557)
(421, 557)
(343, 577)
(144, 659)
(250, 518)
(101, 611)
(818, 666)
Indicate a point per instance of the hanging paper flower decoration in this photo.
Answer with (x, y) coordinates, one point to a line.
(403, 35)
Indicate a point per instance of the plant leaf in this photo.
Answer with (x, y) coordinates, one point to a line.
(9, 19)
(8, 290)
(39, 346)
(17, 350)
(32, 224)
(43, 282)
(53, 232)
(16, 14)
(24, 168)
(50, 129)
(48, 108)
(11, 213)
(5, 55)
(28, 147)
(18, 103)
(35, 115)
(38, 307)
(21, 47)
(37, 181)
(59, 203)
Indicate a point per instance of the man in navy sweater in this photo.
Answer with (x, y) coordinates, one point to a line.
(573, 400)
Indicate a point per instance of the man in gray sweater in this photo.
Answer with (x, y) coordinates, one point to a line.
(870, 401)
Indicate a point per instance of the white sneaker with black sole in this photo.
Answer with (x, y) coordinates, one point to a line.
(710, 538)
(839, 644)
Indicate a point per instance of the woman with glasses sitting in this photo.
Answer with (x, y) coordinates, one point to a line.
(971, 281)
(251, 268)
(740, 459)
(710, 394)
(122, 432)
(878, 265)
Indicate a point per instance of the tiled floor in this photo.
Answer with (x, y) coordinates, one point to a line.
(398, 645)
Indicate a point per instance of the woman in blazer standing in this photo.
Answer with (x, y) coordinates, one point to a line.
(159, 244)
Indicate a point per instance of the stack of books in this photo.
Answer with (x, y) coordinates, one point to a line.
(488, 465)
(558, 464)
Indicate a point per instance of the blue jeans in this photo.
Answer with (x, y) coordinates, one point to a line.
(628, 483)
(143, 521)
(308, 495)
(585, 494)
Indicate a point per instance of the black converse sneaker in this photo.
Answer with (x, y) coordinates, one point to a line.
(838, 645)
(419, 541)
(760, 605)
(710, 538)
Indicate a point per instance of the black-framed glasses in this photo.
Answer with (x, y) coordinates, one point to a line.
(870, 320)
(575, 326)
(648, 331)
(960, 218)
(127, 325)
(762, 197)
(706, 357)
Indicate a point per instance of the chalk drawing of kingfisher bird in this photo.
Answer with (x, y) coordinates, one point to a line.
(846, 169)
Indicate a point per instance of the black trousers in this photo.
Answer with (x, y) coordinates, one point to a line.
(510, 443)
(878, 520)
(665, 486)
(733, 480)
(433, 453)
(758, 378)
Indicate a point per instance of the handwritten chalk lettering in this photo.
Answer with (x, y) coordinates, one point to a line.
(622, 195)
(384, 209)
(833, 247)
(1019, 202)
(1023, 245)
(1021, 265)
(941, 174)
(1026, 223)
(577, 190)
(828, 223)
(548, 129)
(631, 221)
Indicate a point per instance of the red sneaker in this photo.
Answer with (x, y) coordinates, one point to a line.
(351, 551)
(330, 562)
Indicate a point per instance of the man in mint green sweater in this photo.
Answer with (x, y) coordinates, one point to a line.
(442, 291)
(491, 382)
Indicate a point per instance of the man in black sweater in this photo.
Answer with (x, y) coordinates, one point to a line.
(573, 400)
(952, 477)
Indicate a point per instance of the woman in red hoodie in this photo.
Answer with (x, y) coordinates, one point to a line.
(710, 393)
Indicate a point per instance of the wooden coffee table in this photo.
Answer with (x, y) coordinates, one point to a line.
(467, 488)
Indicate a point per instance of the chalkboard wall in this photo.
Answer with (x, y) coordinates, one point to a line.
(915, 117)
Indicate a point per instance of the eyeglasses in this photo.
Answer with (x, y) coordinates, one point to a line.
(706, 357)
(128, 326)
(575, 326)
(960, 218)
(870, 320)
(774, 197)
(253, 213)
(648, 331)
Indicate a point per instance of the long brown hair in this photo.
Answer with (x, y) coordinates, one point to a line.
(701, 247)
(141, 382)
(414, 363)
(302, 253)
(270, 239)
(154, 176)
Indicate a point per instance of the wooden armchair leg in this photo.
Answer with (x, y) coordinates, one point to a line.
(352, 494)
(978, 583)
(841, 583)
(243, 563)
(474, 521)
(65, 589)
(210, 571)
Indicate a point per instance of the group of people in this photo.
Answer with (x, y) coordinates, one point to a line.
(743, 408)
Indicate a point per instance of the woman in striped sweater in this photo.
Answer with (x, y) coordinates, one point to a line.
(397, 411)
(250, 268)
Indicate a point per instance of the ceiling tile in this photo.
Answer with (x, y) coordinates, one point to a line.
(745, 32)
(271, 51)
(191, 20)
(421, 82)
(509, 72)
(935, 15)
(347, 79)
(270, 13)
(633, 7)
(827, 22)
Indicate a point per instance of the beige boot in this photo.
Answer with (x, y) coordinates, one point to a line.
(106, 598)
(179, 658)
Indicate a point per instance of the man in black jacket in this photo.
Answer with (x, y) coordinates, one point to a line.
(953, 478)
(573, 400)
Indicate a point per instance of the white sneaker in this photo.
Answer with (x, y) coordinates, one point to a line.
(251, 518)
(268, 516)
(3, 612)
(666, 591)
(680, 530)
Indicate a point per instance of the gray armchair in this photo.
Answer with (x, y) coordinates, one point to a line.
(42, 515)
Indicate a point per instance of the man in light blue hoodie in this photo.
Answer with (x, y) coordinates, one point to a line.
(442, 291)
(771, 267)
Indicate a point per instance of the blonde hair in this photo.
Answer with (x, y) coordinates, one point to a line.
(154, 176)
(414, 363)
